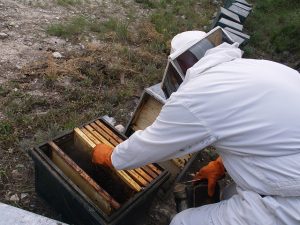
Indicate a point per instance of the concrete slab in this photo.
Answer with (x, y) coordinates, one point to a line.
(14, 216)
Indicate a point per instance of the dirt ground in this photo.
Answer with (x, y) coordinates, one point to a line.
(26, 50)
(24, 41)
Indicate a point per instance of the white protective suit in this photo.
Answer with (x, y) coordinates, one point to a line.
(250, 111)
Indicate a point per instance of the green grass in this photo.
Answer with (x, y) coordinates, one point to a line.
(172, 17)
(76, 26)
(68, 2)
(274, 26)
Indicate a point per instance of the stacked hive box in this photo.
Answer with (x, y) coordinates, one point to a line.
(232, 17)
(91, 194)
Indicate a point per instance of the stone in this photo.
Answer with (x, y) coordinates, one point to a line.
(16, 174)
(24, 195)
(120, 128)
(215, 2)
(20, 166)
(3, 35)
(14, 198)
(110, 120)
(18, 66)
(57, 55)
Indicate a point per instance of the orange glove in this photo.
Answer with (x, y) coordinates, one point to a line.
(102, 155)
(212, 172)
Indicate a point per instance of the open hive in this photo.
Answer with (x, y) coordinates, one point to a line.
(110, 193)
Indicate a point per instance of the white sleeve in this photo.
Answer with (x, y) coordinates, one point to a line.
(175, 132)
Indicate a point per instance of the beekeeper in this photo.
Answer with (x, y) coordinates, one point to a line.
(249, 110)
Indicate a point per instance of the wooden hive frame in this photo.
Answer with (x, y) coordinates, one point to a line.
(97, 194)
(88, 136)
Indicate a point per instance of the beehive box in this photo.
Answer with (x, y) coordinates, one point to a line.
(149, 107)
(86, 193)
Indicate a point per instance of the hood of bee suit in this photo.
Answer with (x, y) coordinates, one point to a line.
(186, 39)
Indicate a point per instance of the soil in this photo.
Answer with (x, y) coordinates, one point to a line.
(24, 42)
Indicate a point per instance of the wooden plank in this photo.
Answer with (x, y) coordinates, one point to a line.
(148, 113)
(104, 134)
(154, 168)
(97, 194)
(149, 171)
(178, 162)
(98, 136)
(107, 130)
(181, 161)
(90, 136)
(139, 179)
(128, 180)
(81, 141)
(94, 134)
(144, 174)
(122, 174)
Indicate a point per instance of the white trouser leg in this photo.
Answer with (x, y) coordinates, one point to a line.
(195, 216)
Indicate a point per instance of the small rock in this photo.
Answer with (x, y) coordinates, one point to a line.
(3, 35)
(28, 43)
(18, 67)
(10, 151)
(109, 119)
(20, 166)
(81, 46)
(24, 195)
(57, 55)
(120, 128)
(15, 89)
(16, 174)
(14, 198)
(286, 53)
(215, 2)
